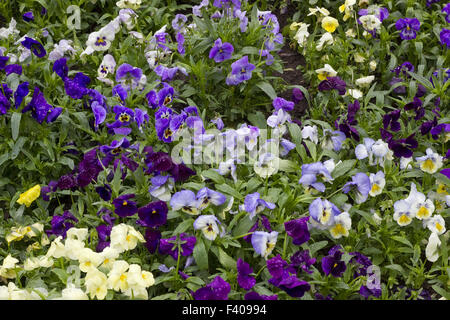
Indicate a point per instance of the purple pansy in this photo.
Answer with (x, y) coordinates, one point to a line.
(241, 70)
(256, 296)
(60, 224)
(218, 289)
(170, 245)
(124, 207)
(35, 46)
(298, 230)
(403, 147)
(280, 103)
(407, 28)
(303, 260)
(333, 83)
(332, 263)
(360, 184)
(152, 238)
(244, 279)
(253, 204)
(221, 51)
(153, 215)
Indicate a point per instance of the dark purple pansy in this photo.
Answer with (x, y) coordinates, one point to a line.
(218, 289)
(438, 129)
(170, 245)
(89, 168)
(60, 224)
(241, 70)
(244, 279)
(20, 93)
(303, 260)
(181, 172)
(35, 46)
(124, 207)
(297, 95)
(104, 192)
(153, 215)
(333, 83)
(298, 230)
(66, 182)
(152, 238)
(38, 106)
(363, 262)
(403, 147)
(256, 296)
(366, 292)
(332, 264)
(390, 121)
(51, 187)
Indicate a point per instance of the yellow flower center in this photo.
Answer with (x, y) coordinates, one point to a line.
(404, 219)
(338, 229)
(375, 188)
(123, 277)
(128, 238)
(124, 203)
(423, 212)
(428, 165)
(441, 189)
(153, 211)
(124, 117)
(439, 227)
(167, 100)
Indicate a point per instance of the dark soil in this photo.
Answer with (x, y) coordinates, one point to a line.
(291, 59)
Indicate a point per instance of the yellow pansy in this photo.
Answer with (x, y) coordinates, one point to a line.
(30, 195)
(330, 24)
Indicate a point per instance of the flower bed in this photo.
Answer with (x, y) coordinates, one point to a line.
(157, 150)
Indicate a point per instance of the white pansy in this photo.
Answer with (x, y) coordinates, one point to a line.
(364, 81)
(311, 133)
(341, 225)
(436, 224)
(432, 249)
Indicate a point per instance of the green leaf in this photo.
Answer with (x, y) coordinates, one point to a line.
(68, 162)
(183, 226)
(268, 89)
(225, 260)
(342, 168)
(17, 147)
(229, 190)
(213, 175)
(317, 246)
(402, 240)
(62, 274)
(441, 291)
(258, 119)
(15, 125)
(395, 267)
(201, 255)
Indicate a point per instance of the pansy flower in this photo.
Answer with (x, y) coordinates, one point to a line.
(186, 201)
(377, 183)
(341, 225)
(241, 70)
(312, 172)
(403, 147)
(218, 289)
(152, 238)
(100, 40)
(253, 204)
(332, 263)
(20, 93)
(208, 224)
(170, 245)
(124, 207)
(60, 224)
(333, 83)
(360, 184)
(322, 213)
(298, 230)
(205, 196)
(244, 279)
(221, 51)
(431, 162)
(326, 72)
(333, 140)
(407, 28)
(330, 24)
(153, 215)
(35, 46)
(403, 213)
(302, 259)
(436, 224)
(264, 242)
(127, 74)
